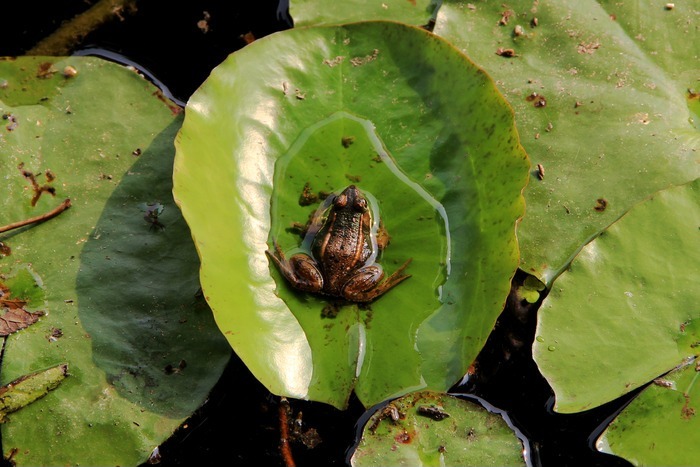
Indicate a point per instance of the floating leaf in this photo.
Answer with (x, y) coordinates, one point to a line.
(399, 113)
(15, 318)
(661, 426)
(28, 388)
(119, 298)
(427, 428)
(626, 311)
(19, 289)
(601, 97)
(530, 290)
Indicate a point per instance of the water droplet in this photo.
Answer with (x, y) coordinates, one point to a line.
(551, 348)
(540, 339)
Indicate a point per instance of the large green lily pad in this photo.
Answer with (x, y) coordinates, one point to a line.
(432, 429)
(118, 292)
(601, 98)
(626, 311)
(410, 121)
(661, 426)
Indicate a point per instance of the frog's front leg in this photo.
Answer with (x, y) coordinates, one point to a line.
(300, 270)
(367, 283)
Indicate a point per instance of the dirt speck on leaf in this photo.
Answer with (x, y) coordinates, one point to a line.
(359, 61)
(508, 53)
(333, 61)
(601, 204)
(45, 70)
(588, 47)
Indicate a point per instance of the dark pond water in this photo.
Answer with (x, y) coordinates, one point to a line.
(239, 422)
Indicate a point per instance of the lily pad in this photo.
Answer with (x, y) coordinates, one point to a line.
(309, 111)
(117, 293)
(626, 310)
(602, 94)
(316, 13)
(648, 431)
(427, 428)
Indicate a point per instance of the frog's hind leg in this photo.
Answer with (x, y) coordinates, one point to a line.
(369, 285)
(300, 270)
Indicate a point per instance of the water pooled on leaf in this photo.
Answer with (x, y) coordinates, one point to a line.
(342, 150)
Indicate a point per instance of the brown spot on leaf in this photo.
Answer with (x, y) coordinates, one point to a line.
(174, 108)
(687, 412)
(54, 334)
(403, 437)
(13, 122)
(307, 196)
(359, 61)
(601, 204)
(588, 47)
(538, 100)
(45, 70)
(347, 141)
(505, 17)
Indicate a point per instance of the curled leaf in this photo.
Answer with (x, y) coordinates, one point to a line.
(28, 388)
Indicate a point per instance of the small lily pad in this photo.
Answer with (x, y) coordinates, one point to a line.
(427, 428)
(662, 425)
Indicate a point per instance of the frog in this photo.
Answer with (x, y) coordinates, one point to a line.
(343, 251)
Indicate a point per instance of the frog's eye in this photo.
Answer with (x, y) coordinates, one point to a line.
(341, 200)
(360, 204)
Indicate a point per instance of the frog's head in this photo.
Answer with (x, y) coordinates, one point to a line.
(351, 199)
